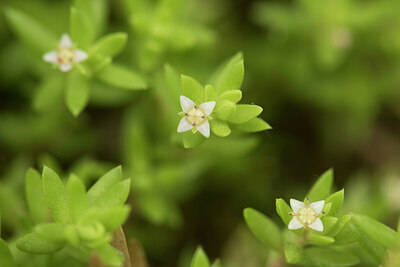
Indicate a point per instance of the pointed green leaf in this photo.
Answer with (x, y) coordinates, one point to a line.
(82, 31)
(244, 113)
(121, 77)
(220, 128)
(263, 228)
(109, 45)
(113, 217)
(210, 93)
(320, 239)
(232, 95)
(55, 194)
(293, 253)
(283, 210)
(339, 225)
(230, 75)
(54, 232)
(337, 201)
(322, 187)
(77, 199)
(6, 258)
(110, 255)
(253, 125)
(30, 31)
(192, 89)
(35, 196)
(224, 109)
(200, 259)
(216, 263)
(33, 243)
(116, 195)
(77, 92)
(104, 183)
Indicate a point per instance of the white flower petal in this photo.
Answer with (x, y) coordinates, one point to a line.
(318, 206)
(65, 67)
(186, 103)
(208, 107)
(65, 41)
(296, 205)
(295, 224)
(184, 125)
(80, 55)
(317, 225)
(204, 128)
(51, 56)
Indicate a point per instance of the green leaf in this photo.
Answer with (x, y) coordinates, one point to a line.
(55, 194)
(77, 92)
(200, 259)
(113, 217)
(323, 256)
(283, 210)
(232, 95)
(30, 31)
(116, 195)
(220, 128)
(82, 32)
(104, 183)
(379, 232)
(253, 125)
(53, 232)
(293, 254)
(109, 45)
(35, 196)
(33, 243)
(77, 199)
(110, 256)
(320, 239)
(337, 201)
(374, 249)
(216, 263)
(230, 75)
(244, 113)
(6, 258)
(191, 140)
(224, 109)
(263, 228)
(329, 222)
(340, 224)
(322, 187)
(49, 94)
(210, 94)
(121, 77)
(192, 89)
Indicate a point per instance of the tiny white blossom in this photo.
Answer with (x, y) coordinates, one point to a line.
(306, 215)
(65, 55)
(195, 116)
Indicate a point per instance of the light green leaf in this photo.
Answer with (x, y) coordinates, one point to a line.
(6, 258)
(374, 249)
(35, 196)
(232, 95)
(191, 140)
(263, 228)
(244, 113)
(113, 217)
(210, 94)
(293, 254)
(192, 89)
(104, 183)
(53, 232)
(329, 222)
(116, 195)
(322, 187)
(320, 239)
(121, 77)
(110, 256)
(216, 263)
(55, 194)
(82, 31)
(77, 92)
(230, 75)
(253, 125)
(30, 31)
(77, 199)
(337, 201)
(109, 45)
(200, 259)
(49, 94)
(340, 224)
(224, 109)
(33, 243)
(323, 256)
(220, 128)
(283, 210)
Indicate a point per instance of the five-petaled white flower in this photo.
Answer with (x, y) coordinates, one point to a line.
(65, 55)
(195, 116)
(306, 215)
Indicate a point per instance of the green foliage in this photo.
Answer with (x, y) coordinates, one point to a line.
(200, 259)
(6, 258)
(322, 187)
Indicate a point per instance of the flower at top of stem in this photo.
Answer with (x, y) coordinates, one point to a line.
(195, 116)
(306, 215)
(66, 55)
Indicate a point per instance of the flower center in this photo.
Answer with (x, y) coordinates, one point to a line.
(307, 215)
(195, 116)
(66, 56)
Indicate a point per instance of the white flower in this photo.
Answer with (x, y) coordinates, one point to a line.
(306, 215)
(65, 55)
(195, 116)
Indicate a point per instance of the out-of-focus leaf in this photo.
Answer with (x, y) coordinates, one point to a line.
(216, 263)
(116, 195)
(77, 92)
(191, 140)
(322, 187)
(33, 243)
(253, 125)
(263, 228)
(192, 89)
(232, 95)
(283, 210)
(53, 232)
(220, 128)
(110, 256)
(6, 258)
(77, 199)
(56, 195)
(244, 113)
(82, 31)
(35, 196)
(320, 239)
(109, 45)
(49, 94)
(224, 109)
(210, 94)
(104, 183)
(113, 217)
(200, 259)
(121, 77)
(321, 256)
(293, 254)
(230, 75)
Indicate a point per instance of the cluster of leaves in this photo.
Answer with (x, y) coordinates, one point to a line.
(71, 218)
(334, 245)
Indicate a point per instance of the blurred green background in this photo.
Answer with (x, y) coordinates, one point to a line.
(327, 74)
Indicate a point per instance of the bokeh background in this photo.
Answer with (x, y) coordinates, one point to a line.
(327, 74)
